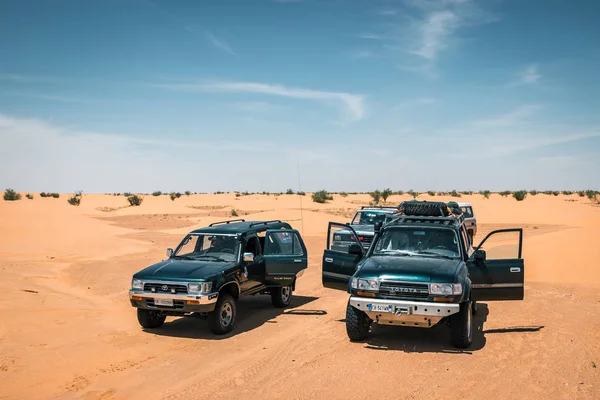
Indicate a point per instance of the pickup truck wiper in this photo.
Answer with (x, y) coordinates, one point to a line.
(433, 253)
(209, 256)
(184, 257)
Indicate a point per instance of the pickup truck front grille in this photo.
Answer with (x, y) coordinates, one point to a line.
(366, 240)
(404, 290)
(165, 288)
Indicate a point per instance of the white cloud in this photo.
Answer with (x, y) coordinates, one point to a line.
(352, 104)
(219, 43)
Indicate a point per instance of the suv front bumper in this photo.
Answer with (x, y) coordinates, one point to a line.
(401, 312)
(183, 303)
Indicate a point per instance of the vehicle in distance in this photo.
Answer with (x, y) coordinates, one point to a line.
(422, 270)
(363, 224)
(470, 219)
(215, 266)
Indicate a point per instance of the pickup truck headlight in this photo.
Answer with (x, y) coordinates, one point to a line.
(445, 288)
(200, 287)
(137, 284)
(365, 284)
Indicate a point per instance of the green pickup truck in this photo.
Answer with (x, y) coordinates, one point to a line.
(421, 270)
(217, 265)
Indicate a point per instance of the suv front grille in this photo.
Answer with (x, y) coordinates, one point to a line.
(165, 288)
(403, 290)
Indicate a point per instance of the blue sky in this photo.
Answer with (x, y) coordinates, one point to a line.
(143, 95)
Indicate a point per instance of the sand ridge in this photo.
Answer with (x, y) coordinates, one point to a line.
(68, 330)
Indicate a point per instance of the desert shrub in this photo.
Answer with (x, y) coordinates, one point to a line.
(43, 194)
(548, 192)
(533, 192)
(581, 193)
(321, 196)
(174, 195)
(591, 194)
(400, 192)
(127, 194)
(505, 193)
(431, 193)
(74, 201)
(157, 193)
(187, 192)
(467, 193)
(386, 193)
(376, 196)
(55, 195)
(567, 192)
(454, 193)
(301, 194)
(29, 196)
(135, 200)
(11, 195)
(234, 213)
(485, 193)
(520, 195)
(289, 191)
(413, 193)
(344, 194)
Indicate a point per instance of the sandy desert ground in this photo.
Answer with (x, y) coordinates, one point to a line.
(68, 331)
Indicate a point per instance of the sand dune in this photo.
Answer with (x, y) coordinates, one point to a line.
(68, 330)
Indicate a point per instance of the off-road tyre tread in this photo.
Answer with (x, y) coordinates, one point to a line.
(459, 334)
(357, 324)
(147, 321)
(214, 319)
(276, 297)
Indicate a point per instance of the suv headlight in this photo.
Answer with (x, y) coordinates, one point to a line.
(200, 287)
(445, 288)
(365, 284)
(137, 284)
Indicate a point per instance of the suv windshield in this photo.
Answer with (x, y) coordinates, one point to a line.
(414, 240)
(215, 247)
(368, 217)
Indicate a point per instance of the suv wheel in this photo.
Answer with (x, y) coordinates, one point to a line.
(222, 319)
(357, 323)
(281, 296)
(150, 318)
(461, 324)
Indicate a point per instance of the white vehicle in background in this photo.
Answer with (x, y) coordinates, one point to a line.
(470, 220)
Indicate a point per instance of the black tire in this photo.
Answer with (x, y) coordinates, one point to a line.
(425, 208)
(357, 324)
(461, 326)
(222, 319)
(281, 296)
(150, 319)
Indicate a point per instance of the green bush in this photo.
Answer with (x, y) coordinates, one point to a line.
(29, 196)
(11, 195)
(567, 192)
(157, 193)
(301, 194)
(485, 193)
(467, 193)
(376, 196)
(74, 201)
(454, 193)
(386, 193)
(289, 191)
(234, 213)
(344, 194)
(413, 193)
(431, 193)
(556, 193)
(533, 192)
(505, 193)
(591, 194)
(175, 195)
(55, 195)
(581, 193)
(187, 193)
(321, 196)
(520, 195)
(400, 192)
(135, 200)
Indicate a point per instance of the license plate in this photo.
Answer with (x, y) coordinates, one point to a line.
(380, 307)
(163, 302)
(403, 310)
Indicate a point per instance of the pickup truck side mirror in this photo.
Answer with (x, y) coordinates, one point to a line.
(479, 255)
(377, 226)
(355, 249)
(249, 257)
(169, 252)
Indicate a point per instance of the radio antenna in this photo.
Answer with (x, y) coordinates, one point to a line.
(299, 189)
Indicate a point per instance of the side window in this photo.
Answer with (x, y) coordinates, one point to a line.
(340, 239)
(283, 243)
(502, 245)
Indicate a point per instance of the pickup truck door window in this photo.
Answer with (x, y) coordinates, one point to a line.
(500, 275)
(285, 256)
(252, 272)
(338, 263)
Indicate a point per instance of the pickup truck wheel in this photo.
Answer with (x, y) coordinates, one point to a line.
(461, 333)
(222, 319)
(357, 324)
(281, 296)
(150, 318)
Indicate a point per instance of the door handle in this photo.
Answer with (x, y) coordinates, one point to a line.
(328, 259)
(515, 269)
(297, 261)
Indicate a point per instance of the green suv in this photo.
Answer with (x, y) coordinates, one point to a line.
(217, 265)
(422, 270)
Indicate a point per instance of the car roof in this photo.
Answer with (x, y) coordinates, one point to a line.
(241, 226)
(464, 204)
(384, 209)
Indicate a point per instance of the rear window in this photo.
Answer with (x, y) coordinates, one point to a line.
(467, 211)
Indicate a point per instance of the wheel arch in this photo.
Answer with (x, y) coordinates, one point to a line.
(232, 288)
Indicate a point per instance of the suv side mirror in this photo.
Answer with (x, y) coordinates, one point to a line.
(249, 257)
(479, 255)
(355, 249)
(169, 252)
(377, 226)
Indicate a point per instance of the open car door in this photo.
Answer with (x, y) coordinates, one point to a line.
(496, 268)
(341, 256)
(285, 256)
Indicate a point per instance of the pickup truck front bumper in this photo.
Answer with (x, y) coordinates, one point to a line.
(181, 303)
(401, 312)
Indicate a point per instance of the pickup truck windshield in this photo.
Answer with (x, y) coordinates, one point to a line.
(208, 247)
(421, 241)
(368, 217)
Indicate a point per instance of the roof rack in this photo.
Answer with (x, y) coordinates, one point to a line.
(227, 222)
(265, 222)
(446, 220)
(390, 207)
